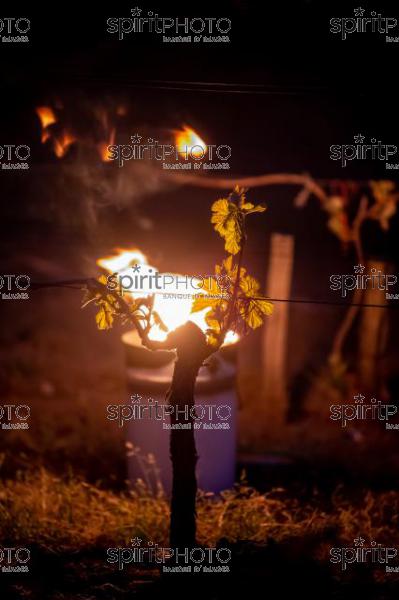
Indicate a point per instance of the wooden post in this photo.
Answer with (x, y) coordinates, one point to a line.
(278, 285)
(371, 340)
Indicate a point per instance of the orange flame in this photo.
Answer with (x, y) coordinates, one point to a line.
(62, 143)
(47, 118)
(189, 142)
(173, 311)
(122, 259)
(103, 147)
(63, 140)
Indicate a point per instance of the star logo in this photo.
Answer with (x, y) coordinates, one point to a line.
(359, 269)
(136, 11)
(136, 268)
(136, 138)
(135, 398)
(150, 140)
(359, 541)
(359, 12)
(359, 398)
(358, 138)
(136, 541)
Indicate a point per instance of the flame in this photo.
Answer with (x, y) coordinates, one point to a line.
(189, 142)
(121, 260)
(62, 143)
(47, 118)
(173, 312)
(103, 146)
(62, 139)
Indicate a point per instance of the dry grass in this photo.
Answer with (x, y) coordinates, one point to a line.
(68, 514)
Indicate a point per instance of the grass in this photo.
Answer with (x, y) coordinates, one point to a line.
(68, 524)
(41, 508)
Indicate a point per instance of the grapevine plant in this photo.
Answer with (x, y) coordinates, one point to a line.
(240, 308)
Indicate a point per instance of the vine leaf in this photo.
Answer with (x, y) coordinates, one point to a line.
(227, 220)
(254, 310)
(250, 307)
(229, 216)
(253, 307)
(211, 296)
(104, 316)
(249, 208)
(110, 305)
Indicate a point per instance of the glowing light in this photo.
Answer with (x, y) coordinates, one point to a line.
(103, 147)
(62, 143)
(122, 259)
(189, 143)
(173, 311)
(47, 118)
(63, 140)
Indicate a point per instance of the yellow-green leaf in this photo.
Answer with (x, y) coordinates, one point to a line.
(227, 220)
(254, 209)
(212, 339)
(102, 279)
(232, 237)
(249, 285)
(222, 212)
(213, 323)
(104, 317)
(247, 206)
(254, 311)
